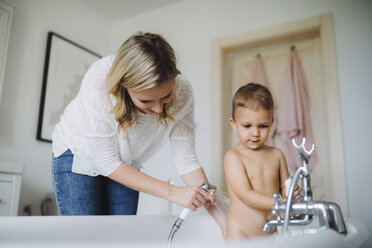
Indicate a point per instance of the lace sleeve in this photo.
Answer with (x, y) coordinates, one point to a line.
(98, 138)
(182, 136)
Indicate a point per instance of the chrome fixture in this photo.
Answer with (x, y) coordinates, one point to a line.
(303, 211)
(211, 189)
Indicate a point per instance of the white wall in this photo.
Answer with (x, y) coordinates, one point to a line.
(191, 25)
(23, 79)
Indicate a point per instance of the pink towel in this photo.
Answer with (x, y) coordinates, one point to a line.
(259, 76)
(294, 113)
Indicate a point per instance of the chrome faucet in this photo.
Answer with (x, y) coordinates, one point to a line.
(329, 213)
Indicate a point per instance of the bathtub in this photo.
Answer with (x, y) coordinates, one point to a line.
(198, 230)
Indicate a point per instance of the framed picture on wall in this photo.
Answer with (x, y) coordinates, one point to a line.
(64, 68)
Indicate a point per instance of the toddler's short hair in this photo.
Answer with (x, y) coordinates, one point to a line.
(254, 96)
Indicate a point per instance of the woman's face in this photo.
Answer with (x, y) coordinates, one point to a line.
(151, 101)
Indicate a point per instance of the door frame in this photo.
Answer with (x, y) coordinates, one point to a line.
(6, 16)
(220, 112)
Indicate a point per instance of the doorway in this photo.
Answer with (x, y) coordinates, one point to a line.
(232, 65)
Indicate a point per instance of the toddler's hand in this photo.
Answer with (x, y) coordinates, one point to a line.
(297, 193)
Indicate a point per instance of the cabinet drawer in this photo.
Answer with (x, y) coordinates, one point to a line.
(5, 197)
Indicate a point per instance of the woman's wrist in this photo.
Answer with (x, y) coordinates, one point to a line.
(169, 192)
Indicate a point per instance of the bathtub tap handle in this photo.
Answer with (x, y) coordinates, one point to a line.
(275, 210)
(276, 197)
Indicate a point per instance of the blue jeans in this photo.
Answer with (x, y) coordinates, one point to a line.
(78, 194)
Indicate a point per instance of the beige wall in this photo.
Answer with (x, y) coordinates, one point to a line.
(32, 20)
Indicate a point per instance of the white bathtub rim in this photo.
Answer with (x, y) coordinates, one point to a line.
(358, 233)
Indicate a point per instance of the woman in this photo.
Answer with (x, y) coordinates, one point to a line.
(128, 105)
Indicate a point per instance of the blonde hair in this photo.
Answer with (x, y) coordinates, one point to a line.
(253, 96)
(142, 62)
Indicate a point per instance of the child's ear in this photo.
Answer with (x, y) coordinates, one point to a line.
(232, 123)
(272, 121)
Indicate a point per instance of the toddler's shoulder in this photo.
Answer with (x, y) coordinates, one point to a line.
(232, 156)
(231, 153)
(234, 152)
(275, 151)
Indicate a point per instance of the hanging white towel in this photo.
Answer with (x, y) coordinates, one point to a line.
(294, 113)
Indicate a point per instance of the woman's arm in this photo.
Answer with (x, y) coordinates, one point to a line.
(239, 183)
(190, 197)
(197, 177)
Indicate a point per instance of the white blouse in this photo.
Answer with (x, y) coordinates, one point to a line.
(89, 130)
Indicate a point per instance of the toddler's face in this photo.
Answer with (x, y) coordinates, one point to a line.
(252, 126)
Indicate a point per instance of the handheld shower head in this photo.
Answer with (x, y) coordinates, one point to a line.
(211, 189)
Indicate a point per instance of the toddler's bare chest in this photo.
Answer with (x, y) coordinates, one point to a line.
(262, 173)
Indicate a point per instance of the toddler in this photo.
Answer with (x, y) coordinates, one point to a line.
(254, 171)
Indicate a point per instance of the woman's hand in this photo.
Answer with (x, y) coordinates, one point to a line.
(191, 197)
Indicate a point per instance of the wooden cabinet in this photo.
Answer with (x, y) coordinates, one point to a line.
(10, 188)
